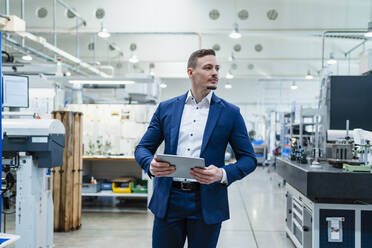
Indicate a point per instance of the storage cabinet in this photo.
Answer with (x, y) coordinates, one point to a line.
(109, 168)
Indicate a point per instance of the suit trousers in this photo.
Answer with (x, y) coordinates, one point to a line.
(184, 220)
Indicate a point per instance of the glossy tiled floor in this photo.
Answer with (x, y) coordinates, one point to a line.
(257, 220)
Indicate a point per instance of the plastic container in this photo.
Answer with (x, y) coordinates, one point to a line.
(120, 187)
(106, 186)
(90, 188)
(139, 186)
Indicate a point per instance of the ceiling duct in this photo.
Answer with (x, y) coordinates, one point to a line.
(272, 14)
(41, 12)
(216, 47)
(243, 14)
(100, 13)
(214, 14)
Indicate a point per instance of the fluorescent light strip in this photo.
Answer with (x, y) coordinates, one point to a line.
(100, 82)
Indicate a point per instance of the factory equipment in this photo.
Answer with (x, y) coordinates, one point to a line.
(33, 146)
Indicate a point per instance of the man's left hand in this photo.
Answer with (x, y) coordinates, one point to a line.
(207, 175)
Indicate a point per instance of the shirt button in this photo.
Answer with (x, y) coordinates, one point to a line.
(188, 149)
(191, 134)
(194, 120)
(197, 107)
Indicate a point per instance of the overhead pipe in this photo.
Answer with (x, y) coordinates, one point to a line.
(54, 25)
(348, 53)
(60, 52)
(7, 7)
(335, 32)
(40, 54)
(198, 34)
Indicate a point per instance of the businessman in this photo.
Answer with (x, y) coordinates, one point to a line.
(196, 124)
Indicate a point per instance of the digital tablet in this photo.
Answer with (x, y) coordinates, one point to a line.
(183, 164)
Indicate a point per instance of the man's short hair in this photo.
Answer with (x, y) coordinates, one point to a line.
(198, 54)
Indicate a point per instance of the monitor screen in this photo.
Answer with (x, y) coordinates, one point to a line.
(15, 91)
(351, 99)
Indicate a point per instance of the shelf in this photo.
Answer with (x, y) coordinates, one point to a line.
(297, 135)
(109, 158)
(110, 193)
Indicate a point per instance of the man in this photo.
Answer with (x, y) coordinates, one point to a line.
(197, 124)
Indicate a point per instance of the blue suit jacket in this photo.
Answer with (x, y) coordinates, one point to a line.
(224, 125)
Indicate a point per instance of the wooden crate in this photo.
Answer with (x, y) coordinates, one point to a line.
(67, 179)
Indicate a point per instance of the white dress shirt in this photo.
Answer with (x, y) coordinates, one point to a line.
(193, 122)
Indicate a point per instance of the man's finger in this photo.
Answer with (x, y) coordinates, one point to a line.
(205, 172)
(161, 169)
(160, 164)
(163, 173)
(200, 176)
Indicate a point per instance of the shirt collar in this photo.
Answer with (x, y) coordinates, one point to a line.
(190, 96)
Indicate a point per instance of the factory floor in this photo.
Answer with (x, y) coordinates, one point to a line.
(257, 207)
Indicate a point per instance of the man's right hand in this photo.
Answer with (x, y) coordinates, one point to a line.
(161, 169)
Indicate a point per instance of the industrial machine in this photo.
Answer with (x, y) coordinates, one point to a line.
(328, 203)
(328, 206)
(33, 146)
(29, 148)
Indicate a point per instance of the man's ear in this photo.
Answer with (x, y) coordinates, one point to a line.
(189, 71)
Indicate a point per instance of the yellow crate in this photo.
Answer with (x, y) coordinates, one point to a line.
(116, 188)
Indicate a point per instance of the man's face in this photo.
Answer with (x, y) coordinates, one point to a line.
(205, 74)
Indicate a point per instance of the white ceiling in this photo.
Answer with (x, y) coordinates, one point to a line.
(291, 44)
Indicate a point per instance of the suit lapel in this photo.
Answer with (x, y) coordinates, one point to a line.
(176, 122)
(215, 110)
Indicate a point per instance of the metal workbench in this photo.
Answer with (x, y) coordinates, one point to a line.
(326, 183)
(326, 206)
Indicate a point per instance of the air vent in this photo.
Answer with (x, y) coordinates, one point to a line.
(41, 12)
(243, 14)
(272, 14)
(251, 66)
(91, 46)
(216, 47)
(258, 48)
(237, 48)
(133, 47)
(100, 13)
(69, 13)
(214, 14)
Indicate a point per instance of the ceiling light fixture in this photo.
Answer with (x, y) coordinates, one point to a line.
(163, 85)
(133, 59)
(109, 82)
(332, 59)
(27, 57)
(369, 32)
(229, 75)
(228, 85)
(308, 75)
(235, 34)
(294, 86)
(103, 33)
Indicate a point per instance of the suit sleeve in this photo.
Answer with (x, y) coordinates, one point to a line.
(149, 143)
(244, 153)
